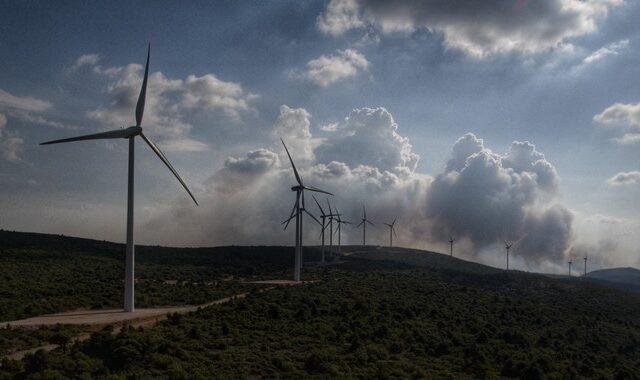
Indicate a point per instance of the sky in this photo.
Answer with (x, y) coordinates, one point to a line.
(488, 121)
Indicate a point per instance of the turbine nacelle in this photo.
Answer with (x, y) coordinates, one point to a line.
(132, 132)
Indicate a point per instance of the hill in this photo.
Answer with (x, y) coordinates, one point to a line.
(383, 313)
(622, 278)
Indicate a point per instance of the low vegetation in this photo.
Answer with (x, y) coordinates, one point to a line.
(376, 319)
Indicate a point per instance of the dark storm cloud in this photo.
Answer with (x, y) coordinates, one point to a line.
(476, 27)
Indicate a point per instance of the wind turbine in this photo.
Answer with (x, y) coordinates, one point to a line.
(340, 223)
(297, 211)
(570, 262)
(130, 134)
(323, 217)
(585, 265)
(451, 240)
(508, 246)
(392, 231)
(363, 223)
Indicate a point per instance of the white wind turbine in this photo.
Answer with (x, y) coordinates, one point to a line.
(323, 217)
(340, 223)
(130, 134)
(363, 223)
(297, 211)
(392, 231)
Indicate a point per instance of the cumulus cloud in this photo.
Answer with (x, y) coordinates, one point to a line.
(478, 28)
(169, 102)
(613, 48)
(369, 136)
(622, 119)
(294, 127)
(328, 69)
(486, 198)
(624, 179)
(85, 60)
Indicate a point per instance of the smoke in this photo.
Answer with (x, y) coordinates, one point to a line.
(487, 198)
(480, 198)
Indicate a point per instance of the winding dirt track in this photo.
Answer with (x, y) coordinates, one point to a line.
(97, 319)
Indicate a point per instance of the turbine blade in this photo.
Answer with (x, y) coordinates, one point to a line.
(360, 224)
(321, 210)
(394, 220)
(329, 204)
(293, 211)
(295, 171)
(394, 232)
(364, 212)
(143, 92)
(311, 188)
(168, 164)
(117, 134)
(371, 223)
(313, 217)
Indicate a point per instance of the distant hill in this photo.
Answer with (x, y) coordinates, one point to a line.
(621, 278)
(419, 258)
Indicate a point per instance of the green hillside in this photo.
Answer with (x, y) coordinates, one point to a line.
(395, 314)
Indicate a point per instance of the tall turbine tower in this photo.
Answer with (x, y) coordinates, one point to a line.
(323, 218)
(451, 240)
(297, 211)
(130, 134)
(363, 223)
(331, 219)
(392, 231)
(508, 246)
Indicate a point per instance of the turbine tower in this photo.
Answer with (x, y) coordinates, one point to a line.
(508, 246)
(392, 231)
(323, 218)
(130, 134)
(331, 219)
(570, 262)
(585, 265)
(451, 240)
(297, 211)
(340, 223)
(363, 223)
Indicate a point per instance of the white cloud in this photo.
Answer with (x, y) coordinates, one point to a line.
(85, 60)
(10, 142)
(169, 102)
(369, 137)
(613, 48)
(622, 119)
(294, 127)
(625, 178)
(8, 101)
(328, 69)
(478, 28)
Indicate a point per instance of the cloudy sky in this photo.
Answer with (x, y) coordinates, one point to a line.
(486, 121)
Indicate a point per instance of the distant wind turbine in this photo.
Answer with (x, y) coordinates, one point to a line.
(340, 223)
(570, 262)
(451, 240)
(130, 134)
(508, 246)
(297, 211)
(323, 218)
(363, 223)
(331, 219)
(392, 231)
(585, 265)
